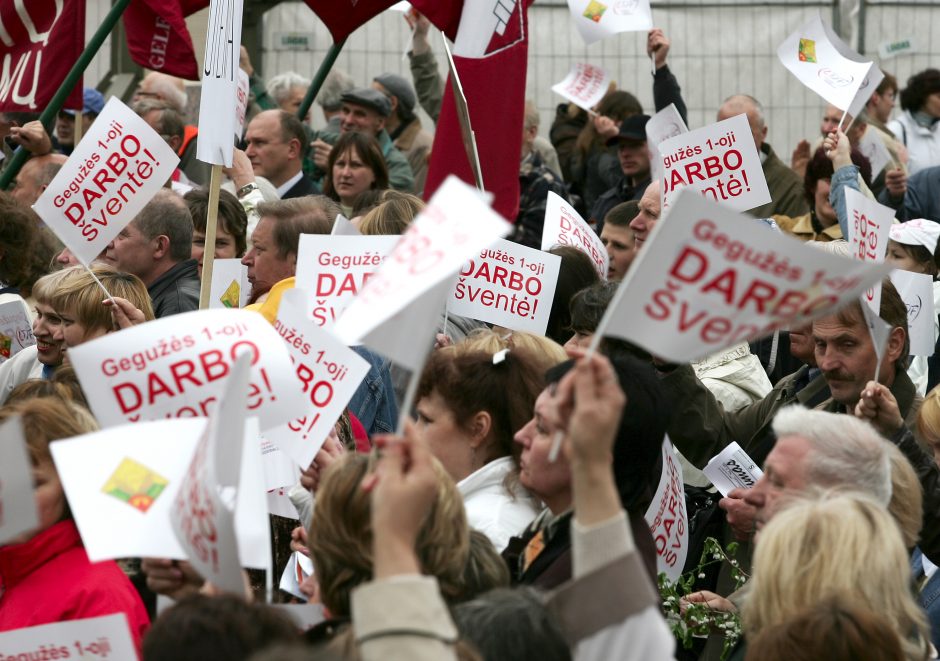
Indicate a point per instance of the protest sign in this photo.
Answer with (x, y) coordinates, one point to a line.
(279, 468)
(329, 372)
(879, 330)
(217, 121)
(869, 225)
(585, 85)
(709, 278)
(599, 19)
(342, 227)
(822, 62)
(279, 502)
(732, 469)
(665, 124)
(16, 329)
(242, 90)
(177, 366)
(667, 517)
(17, 503)
(916, 290)
(456, 224)
(718, 160)
(564, 227)
(230, 284)
(508, 285)
(107, 637)
(334, 269)
(873, 148)
(117, 167)
(202, 513)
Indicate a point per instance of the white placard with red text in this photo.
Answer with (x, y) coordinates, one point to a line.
(329, 373)
(564, 227)
(599, 20)
(665, 124)
(456, 224)
(667, 517)
(17, 502)
(117, 523)
(220, 80)
(585, 85)
(720, 161)
(176, 367)
(508, 285)
(106, 637)
(869, 225)
(334, 269)
(709, 278)
(916, 290)
(16, 329)
(117, 167)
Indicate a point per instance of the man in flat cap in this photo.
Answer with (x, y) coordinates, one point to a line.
(404, 126)
(367, 110)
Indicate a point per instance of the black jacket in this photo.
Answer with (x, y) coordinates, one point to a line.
(176, 291)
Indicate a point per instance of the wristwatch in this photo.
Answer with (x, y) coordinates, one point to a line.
(246, 189)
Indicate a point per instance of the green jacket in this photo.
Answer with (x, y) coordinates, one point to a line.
(786, 189)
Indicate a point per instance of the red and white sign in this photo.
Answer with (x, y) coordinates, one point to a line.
(585, 85)
(456, 224)
(334, 269)
(869, 226)
(564, 227)
(508, 285)
(709, 278)
(17, 503)
(667, 517)
(329, 372)
(16, 329)
(718, 160)
(176, 367)
(665, 124)
(218, 124)
(117, 167)
(107, 637)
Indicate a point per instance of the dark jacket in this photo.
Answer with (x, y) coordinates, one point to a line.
(302, 188)
(929, 476)
(176, 291)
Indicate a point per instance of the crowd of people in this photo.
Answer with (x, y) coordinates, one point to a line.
(462, 536)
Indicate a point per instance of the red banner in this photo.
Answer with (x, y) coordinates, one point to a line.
(343, 18)
(157, 36)
(39, 42)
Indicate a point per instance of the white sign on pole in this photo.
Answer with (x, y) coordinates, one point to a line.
(17, 502)
(177, 366)
(718, 160)
(869, 225)
(564, 227)
(822, 62)
(334, 269)
(508, 285)
(709, 278)
(230, 284)
(117, 167)
(916, 290)
(456, 224)
(665, 124)
(217, 121)
(241, 103)
(731, 469)
(90, 639)
(16, 329)
(599, 19)
(667, 517)
(329, 372)
(873, 148)
(585, 85)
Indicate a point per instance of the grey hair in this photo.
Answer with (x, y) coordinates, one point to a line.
(165, 86)
(847, 453)
(169, 121)
(337, 83)
(531, 114)
(279, 86)
(750, 100)
(166, 214)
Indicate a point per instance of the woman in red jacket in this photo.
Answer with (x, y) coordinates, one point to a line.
(45, 575)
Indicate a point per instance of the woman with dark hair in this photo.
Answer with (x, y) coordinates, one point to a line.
(574, 274)
(355, 165)
(916, 127)
(470, 403)
(231, 239)
(26, 250)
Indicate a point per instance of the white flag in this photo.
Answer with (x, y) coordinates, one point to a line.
(599, 19)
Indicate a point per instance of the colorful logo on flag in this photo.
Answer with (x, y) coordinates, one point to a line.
(6, 345)
(135, 484)
(807, 50)
(229, 297)
(595, 10)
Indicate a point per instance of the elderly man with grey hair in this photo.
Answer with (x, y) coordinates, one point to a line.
(288, 90)
(156, 247)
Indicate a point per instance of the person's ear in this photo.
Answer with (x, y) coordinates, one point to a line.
(896, 340)
(480, 427)
(161, 246)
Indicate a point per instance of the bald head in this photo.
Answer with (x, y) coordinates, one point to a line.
(169, 89)
(35, 176)
(742, 103)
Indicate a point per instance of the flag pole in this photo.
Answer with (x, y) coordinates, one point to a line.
(58, 100)
(212, 219)
(318, 79)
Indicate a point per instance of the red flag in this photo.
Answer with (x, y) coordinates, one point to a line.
(157, 37)
(490, 55)
(39, 42)
(343, 17)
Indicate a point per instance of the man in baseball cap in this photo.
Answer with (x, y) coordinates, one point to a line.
(403, 125)
(92, 105)
(635, 164)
